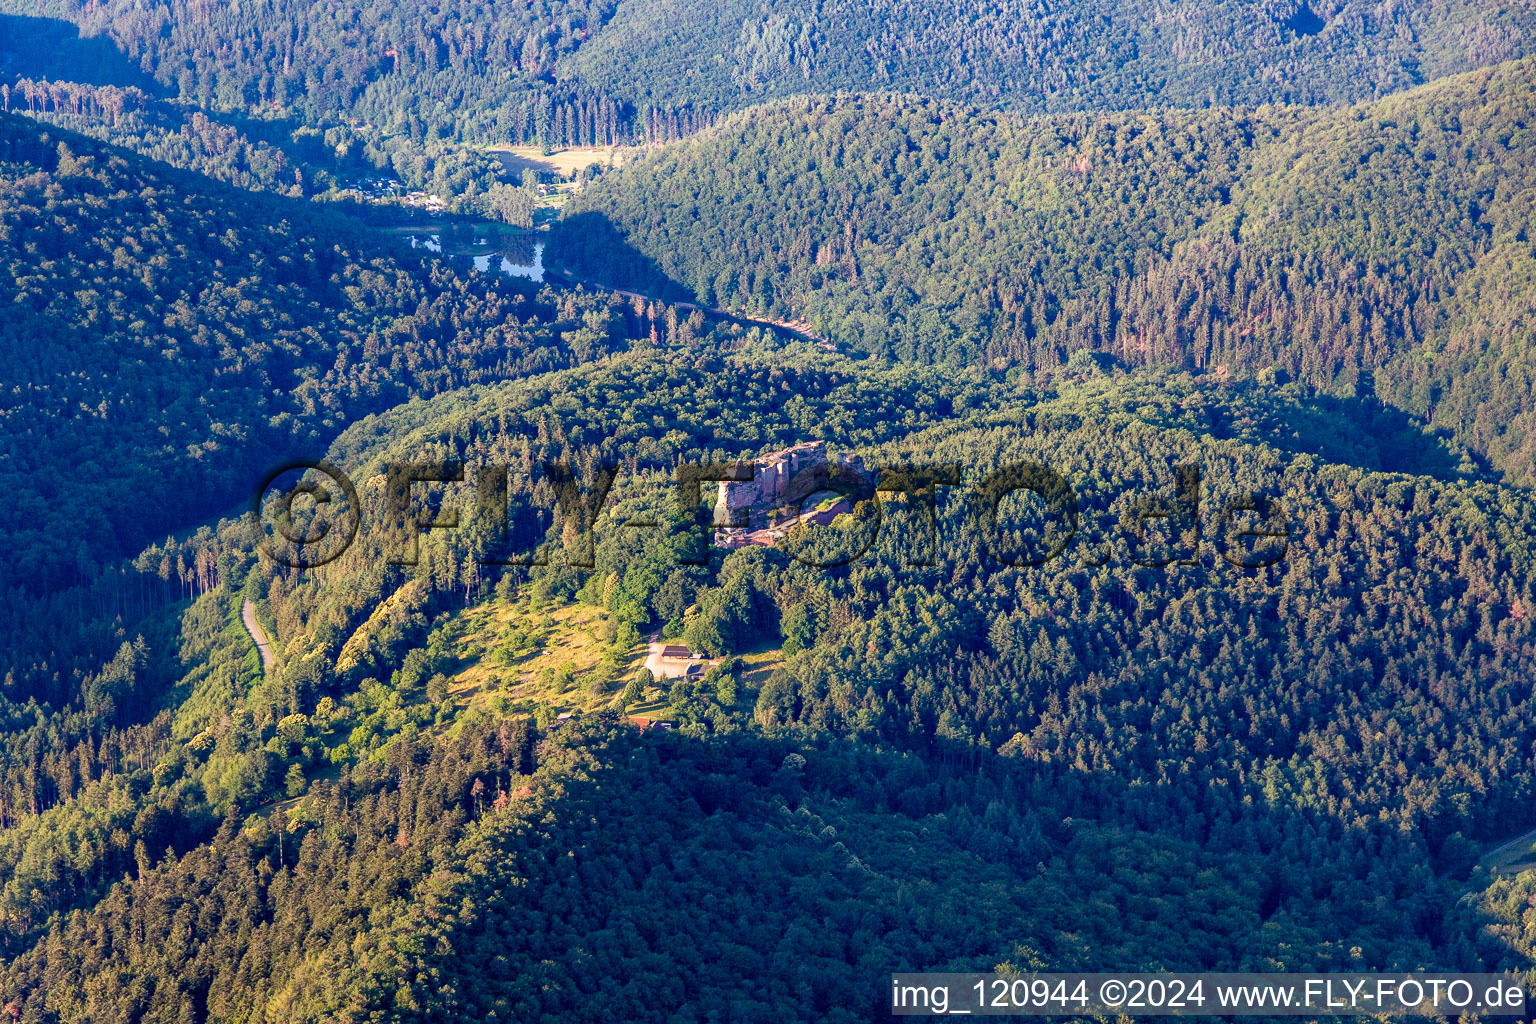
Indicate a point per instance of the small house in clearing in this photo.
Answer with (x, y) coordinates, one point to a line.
(672, 661)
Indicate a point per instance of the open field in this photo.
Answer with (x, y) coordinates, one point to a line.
(756, 666)
(519, 658)
(565, 162)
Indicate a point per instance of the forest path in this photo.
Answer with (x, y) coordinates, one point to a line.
(248, 615)
(799, 330)
(1510, 857)
(1529, 837)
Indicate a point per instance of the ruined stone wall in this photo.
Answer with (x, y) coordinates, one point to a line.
(782, 478)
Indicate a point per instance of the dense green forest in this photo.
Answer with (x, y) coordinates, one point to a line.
(1382, 246)
(605, 72)
(1045, 55)
(1244, 686)
(260, 156)
(949, 766)
(474, 71)
(167, 338)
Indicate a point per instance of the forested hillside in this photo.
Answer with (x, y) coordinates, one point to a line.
(1245, 684)
(602, 72)
(1381, 246)
(256, 155)
(1088, 764)
(474, 70)
(167, 338)
(1048, 55)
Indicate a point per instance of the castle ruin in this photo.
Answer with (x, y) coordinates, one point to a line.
(748, 512)
(780, 481)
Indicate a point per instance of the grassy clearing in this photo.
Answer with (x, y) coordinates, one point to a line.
(517, 659)
(756, 666)
(565, 162)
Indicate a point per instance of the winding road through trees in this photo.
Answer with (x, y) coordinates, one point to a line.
(799, 330)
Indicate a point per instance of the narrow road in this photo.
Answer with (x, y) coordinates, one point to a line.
(724, 314)
(248, 614)
(1527, 838)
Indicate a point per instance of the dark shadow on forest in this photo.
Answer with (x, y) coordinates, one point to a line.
(1104, 871)
(47, 48)
(54, 50)
(1305, 22)
(1366, 433)
(588, 248)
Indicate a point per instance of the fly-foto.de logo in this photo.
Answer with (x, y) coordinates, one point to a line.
(1021, 514)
